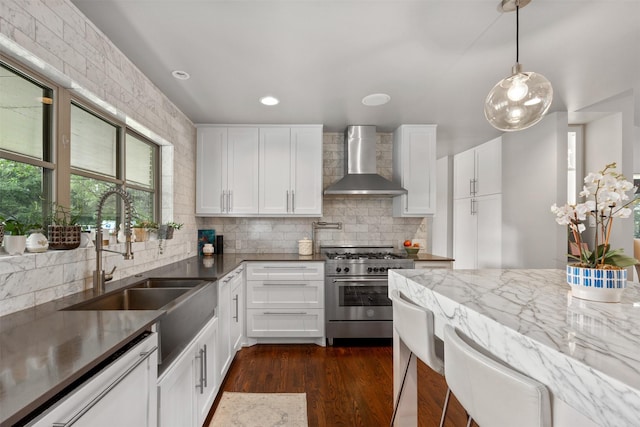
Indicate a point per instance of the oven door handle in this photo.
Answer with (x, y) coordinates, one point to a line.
(360, 280)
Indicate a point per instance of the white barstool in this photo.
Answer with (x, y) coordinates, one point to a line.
(493, 393)
(414, 325)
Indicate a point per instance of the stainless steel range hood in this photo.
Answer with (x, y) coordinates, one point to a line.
(360, 176)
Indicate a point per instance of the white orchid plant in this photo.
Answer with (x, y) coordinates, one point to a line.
(606, 199)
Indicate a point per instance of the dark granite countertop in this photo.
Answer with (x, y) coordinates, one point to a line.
(43, 349)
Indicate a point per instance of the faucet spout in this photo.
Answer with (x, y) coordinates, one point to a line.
(99, 276)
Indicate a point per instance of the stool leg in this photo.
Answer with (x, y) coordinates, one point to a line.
(445, 406)
(395, 409)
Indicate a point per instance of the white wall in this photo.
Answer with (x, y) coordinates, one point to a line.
(442, 233)
(534, 176)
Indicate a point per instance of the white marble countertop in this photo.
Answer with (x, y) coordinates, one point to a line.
(587, 353)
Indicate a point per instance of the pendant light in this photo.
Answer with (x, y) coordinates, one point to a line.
(521, 100)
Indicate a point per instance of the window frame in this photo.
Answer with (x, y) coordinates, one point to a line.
(56, 164)
(48, 162)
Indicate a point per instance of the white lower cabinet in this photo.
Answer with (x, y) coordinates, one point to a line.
(285, 300)
(122, 394)
(229, 314)
(285, 323)
(188, 388)
(428, 265)
(237, 312)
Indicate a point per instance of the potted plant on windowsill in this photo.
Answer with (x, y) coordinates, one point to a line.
(598, 275)
(15, 235)
(165, 231)
(63, 230)
(141, 229)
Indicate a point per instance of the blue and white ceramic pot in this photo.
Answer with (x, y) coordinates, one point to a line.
(594, 284)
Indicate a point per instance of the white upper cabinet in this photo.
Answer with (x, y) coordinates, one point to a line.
(291, 170)
(414, 168)
(227, 171)
(478, 171)
(251, 170)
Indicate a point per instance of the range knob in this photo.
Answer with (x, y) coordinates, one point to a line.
(346, 269)
(338, 270)
(369, 270)
(375, 269)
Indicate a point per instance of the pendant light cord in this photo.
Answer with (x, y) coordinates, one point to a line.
(517, 32)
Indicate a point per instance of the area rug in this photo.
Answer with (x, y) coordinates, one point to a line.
(261, 410)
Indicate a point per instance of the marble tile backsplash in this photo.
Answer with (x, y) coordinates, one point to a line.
(31, 279)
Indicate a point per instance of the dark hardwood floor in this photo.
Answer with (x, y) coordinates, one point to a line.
(349, 384)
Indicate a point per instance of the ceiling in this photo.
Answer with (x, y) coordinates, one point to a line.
(437, 59)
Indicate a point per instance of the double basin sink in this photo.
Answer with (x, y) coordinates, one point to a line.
(187, 305)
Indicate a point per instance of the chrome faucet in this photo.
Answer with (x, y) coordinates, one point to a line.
(99, 276)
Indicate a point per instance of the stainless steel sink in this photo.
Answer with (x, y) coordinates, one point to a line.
(169, 283)
(187, 305)
(132, 299)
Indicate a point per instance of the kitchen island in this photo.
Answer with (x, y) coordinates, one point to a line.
(586, 353)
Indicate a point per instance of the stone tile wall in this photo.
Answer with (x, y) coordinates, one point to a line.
(55, 39)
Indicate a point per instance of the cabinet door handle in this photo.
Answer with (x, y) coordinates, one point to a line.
(201, 384)
(103, 393)
(287, 201)
(236, 300)
(222, 200)
(230, 196)
(204, 364)
(471, 186)
(475, 187)
(293, 201)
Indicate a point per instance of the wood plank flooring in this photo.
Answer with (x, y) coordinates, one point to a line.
(349, 384)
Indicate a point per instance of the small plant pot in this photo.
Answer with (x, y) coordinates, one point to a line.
(64, 237)
(141, 234)
(15, 245)
(595, 284)
(165, 232)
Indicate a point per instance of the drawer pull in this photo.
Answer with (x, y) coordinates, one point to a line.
(281, 313)
(284, 284)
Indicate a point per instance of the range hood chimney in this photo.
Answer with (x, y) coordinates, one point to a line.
(360, 177)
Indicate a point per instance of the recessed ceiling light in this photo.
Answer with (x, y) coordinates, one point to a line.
(180, 75)
(269, 100)
(376, 99)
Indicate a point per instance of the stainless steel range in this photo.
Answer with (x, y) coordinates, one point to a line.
(356, 290)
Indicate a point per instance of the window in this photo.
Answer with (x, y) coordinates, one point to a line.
(95, 144)
(96, 165)
(141, 175)
(26, 167)
(102, 153)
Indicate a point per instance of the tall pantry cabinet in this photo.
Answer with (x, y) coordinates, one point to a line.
(477, 207)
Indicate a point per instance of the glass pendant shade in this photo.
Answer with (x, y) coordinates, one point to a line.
(519, 101)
